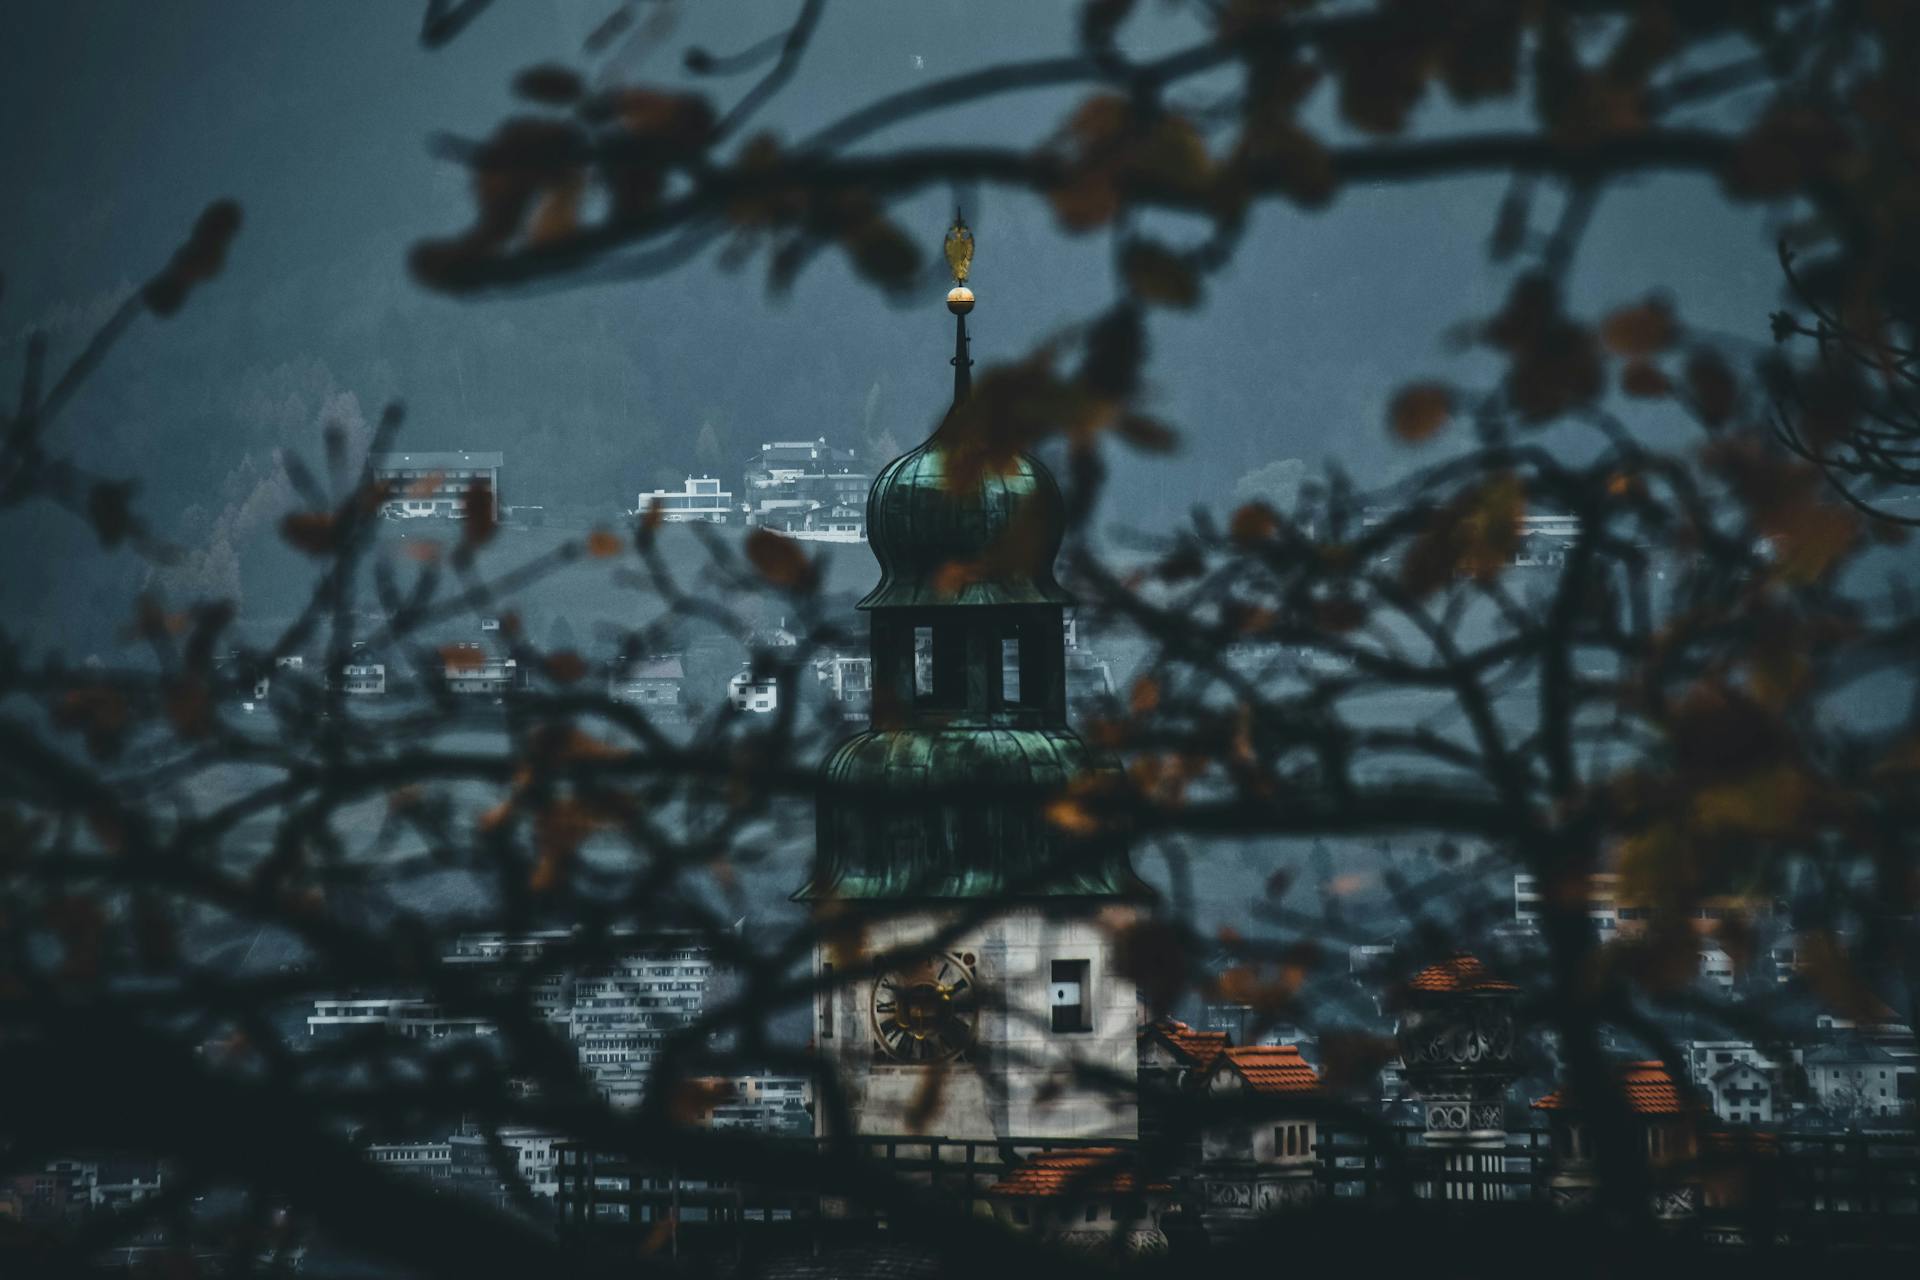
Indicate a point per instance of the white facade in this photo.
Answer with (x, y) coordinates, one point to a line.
(1019, 1076)
(617, 1015)
(755, 696)
(1743, 1093)
(422, 1159)
(436, 484)
(1859, 1080)
(472, 668)
(701, 501)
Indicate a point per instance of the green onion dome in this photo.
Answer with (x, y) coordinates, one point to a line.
(960, 813)
(919, 525)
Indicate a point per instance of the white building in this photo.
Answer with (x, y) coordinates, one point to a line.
(478, 669)
(762, 1103)
(757, 695)
(701, 501)
(846, 678)
(1743, 1093)
(421, 1159)
(617, 1014)
(436, 484)
(530, 1154)
(1859, 1079)
(655, 684)
(807, 489)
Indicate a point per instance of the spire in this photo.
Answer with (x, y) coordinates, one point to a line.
(959, 250)
(962, 363)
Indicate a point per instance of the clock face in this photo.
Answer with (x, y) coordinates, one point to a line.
(925, 1012)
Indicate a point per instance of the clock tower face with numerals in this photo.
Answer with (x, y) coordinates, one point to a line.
(925, 1012)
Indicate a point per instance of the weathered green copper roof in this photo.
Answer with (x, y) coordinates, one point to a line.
(917, 525)
(959, 813)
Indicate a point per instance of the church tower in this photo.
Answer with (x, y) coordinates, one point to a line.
(977, 995)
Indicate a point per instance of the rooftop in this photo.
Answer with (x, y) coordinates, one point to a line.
(1276, 1069)
(1460, 972)
(1198, 1047)
(1081, 1173)
(1649, 1091)
(1847, 1052)
(435, 461)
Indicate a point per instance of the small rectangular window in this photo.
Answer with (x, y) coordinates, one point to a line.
(1067, 994)
(826, 1002)
(1093, 1213)
(923, 662)
(1010, 670)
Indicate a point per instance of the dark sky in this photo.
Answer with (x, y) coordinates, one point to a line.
(125, 119)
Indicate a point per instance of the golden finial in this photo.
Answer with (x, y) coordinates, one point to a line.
(960, 257)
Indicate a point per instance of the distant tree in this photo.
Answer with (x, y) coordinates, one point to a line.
(708, 457)
(1277, 484)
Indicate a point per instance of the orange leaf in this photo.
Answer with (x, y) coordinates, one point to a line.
(1715, 393)
(1419, 411)
(1071, 815)
(1145, 696)
(1255, 522)
(1639, 331)
(566, 667)
(1639, 378)
(309, 531)
(780, 561)
(481, 519)
(602, 545)
(1156, 274)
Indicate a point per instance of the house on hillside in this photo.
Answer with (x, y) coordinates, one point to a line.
(437, 484)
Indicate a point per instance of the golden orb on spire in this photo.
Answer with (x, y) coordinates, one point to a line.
(959, 248)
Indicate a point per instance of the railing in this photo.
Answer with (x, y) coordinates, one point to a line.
(955, 1171)
(1740, 1189)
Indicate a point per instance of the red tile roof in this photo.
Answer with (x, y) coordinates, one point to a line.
(1199, 1047)
(1459, 972)
(1081, 1173)
(1649, 1090)
(1273, 1068)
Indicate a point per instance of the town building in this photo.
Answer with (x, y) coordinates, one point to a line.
(1085, 1198)
(480, 669)
(1743, 1084)
(617, 1013)
(756, 694)
(474, 1167)
(1171, 1060)
(1664, 1124)
(1616, 913)
(806, 489)
(1262, 1156)
(437, 484)
(847, 681)
(656, 684)
(431, 1160)
(763, 1103)
(1856, 1078)
(701, 501)
(1742, 1093)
